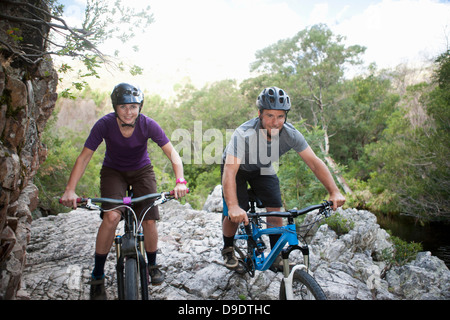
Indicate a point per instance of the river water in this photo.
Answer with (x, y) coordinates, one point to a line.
(434, 237)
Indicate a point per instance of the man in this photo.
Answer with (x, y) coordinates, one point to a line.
(247, 160)
(126, 132)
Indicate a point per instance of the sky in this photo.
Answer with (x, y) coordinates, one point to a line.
(212, 40)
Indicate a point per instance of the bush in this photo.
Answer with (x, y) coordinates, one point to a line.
(402, 252)
(338, 224)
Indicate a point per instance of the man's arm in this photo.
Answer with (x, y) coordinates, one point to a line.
(319, 168)
(231, 167)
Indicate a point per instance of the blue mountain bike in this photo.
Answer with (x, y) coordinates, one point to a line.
(297, 283)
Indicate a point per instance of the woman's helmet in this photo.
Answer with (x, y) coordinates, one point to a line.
(273, 98)
(125, 93)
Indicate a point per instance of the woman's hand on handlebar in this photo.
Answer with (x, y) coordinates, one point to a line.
(69, 199)
(180, 190)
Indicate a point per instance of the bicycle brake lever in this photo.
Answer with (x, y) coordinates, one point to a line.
(90, 206)
(160, 200)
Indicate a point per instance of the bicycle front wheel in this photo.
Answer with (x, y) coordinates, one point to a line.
(304, 287)
(131, 279)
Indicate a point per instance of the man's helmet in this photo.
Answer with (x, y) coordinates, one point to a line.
(125, 93)
(273, 98)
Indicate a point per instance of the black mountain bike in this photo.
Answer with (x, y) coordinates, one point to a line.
(131, 267)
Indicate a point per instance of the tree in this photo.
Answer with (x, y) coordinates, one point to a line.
(410, 169)
(313, 62)
(361, 120)
(103, 20)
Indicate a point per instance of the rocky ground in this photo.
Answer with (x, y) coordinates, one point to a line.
(350, 266)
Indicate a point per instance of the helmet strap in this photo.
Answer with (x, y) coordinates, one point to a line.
(123, 124)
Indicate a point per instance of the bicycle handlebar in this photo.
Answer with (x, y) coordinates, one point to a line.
(292, 213)
(127, 200)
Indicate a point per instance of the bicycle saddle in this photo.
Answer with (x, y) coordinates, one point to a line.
(253, 198)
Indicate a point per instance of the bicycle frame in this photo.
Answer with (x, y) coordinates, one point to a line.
(288, 236)
(130, 245)
(296, 281)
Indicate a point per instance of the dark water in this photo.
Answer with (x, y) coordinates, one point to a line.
(434, 237)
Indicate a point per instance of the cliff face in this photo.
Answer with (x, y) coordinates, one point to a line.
(27, 98)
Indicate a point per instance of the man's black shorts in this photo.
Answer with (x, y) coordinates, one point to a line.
(265, 187)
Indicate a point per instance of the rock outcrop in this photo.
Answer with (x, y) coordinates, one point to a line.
(60, 259)
(27, 98)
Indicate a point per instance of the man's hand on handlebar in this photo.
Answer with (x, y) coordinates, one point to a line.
(237, 215)
(338, 200)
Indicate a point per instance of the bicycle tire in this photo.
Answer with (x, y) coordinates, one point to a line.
(304, 287)
(120, 279)
(143, 277)
(131, 279)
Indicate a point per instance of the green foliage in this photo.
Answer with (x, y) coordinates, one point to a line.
(391, 146)
(310, 66)
(53, 174)
(401, 253)
(103, 21)
(338, 224)
(362, 116)
(410, 164)
(299, 187)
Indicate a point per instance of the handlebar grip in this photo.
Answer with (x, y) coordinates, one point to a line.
(79, 200)
(173, 192)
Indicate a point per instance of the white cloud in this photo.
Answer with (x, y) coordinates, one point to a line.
(399, 31)
(319, 14)
(214, 40)
(211, 40)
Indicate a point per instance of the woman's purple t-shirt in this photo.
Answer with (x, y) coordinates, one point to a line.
(125, 154)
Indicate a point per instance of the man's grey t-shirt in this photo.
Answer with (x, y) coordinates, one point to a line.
(249, 144)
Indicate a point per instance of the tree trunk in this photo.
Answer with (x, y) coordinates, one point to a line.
(332, 164)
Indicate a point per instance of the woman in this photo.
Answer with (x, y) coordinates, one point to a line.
(125, 132)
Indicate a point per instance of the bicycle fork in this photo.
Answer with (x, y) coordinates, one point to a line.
(289, 274)
(129, 250)
(119, 267)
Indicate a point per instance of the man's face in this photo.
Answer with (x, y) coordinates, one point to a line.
(272, 121)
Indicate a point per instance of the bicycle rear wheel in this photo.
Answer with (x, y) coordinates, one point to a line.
(304, 287)
(131, 279)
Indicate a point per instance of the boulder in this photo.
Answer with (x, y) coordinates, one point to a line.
(60, 260)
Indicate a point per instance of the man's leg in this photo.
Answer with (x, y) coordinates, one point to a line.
(274, 222)
(229, 230)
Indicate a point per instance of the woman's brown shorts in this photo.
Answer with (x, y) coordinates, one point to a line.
(114, 183)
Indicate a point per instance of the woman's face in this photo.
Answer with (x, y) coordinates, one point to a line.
(128, 112)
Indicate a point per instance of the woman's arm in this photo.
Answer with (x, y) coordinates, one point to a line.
(69, 197)
(177, 165)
